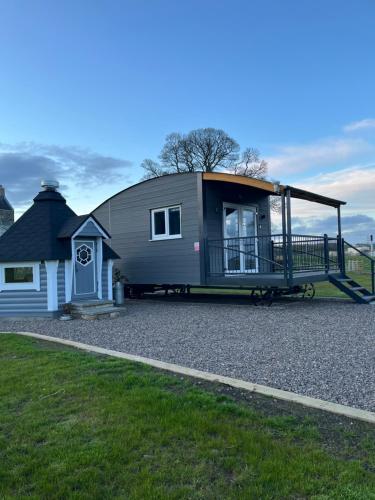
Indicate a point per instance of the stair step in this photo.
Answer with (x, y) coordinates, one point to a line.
(96, 308)
(102, 315)
(357, 288)
(91, 303)
(92, 310)
(368, 298)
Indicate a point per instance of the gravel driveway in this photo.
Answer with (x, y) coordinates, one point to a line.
(323, 349)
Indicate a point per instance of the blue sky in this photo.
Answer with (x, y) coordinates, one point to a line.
(89, 89)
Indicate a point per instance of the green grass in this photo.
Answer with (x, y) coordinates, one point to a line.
(75, 425)
(326, 289)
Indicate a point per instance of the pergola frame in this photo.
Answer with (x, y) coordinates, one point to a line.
(287, 193)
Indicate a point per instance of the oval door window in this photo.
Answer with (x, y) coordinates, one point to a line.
(83, 255)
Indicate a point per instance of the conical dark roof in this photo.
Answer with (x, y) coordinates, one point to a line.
(34, 236)
(4, 203)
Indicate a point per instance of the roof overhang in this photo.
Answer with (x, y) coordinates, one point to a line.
(272, 188)
(96, 223)
(301, 194)
(75, 224)
(267, 186)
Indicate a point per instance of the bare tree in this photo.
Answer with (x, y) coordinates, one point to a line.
(152, 169)
(207, 150)
(275, 204)
(171, 155)
(210, 149)
(251, 165)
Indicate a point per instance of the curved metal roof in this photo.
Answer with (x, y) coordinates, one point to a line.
(273, 188)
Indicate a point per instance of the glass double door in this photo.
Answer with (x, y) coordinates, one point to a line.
(240, 242)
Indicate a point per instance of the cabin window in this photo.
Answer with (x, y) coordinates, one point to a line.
(166, 223)
(22, 276)
(18, 274)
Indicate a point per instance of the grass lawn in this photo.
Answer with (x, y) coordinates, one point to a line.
(77, 425)
(326, 289)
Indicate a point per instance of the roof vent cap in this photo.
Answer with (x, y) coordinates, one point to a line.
(49, 185)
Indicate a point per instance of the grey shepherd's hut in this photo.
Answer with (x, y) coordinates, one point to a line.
(214, 229)
(50, 256)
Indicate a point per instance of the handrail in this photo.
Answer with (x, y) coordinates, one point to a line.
(369, 258)
(312, 255)
(310, 252)
(245, 237)
(317, 238)
(238, 250)
(359, 251)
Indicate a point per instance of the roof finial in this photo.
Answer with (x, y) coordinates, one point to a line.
(49, 185)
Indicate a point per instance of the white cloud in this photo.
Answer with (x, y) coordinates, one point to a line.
(351, 178)
(323, 153)
(356, 228)
(360, 125)
(355, 185)
(85, 176)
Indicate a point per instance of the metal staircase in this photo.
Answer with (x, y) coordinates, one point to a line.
(353, 289)
(350, 286)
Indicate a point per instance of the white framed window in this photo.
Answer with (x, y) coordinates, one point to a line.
(166, 223)
(20, 276)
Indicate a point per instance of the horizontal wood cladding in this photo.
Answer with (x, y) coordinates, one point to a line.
(126, 216)
(105, 280)
(61, 283)
(25, 301)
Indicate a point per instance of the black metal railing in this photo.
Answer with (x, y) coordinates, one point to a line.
(244, 255)
(314, 253)
(276, 253)
(358, 265)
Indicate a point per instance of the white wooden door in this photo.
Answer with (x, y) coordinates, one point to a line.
(240, 242)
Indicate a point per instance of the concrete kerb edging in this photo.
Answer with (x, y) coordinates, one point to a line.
(319, 404)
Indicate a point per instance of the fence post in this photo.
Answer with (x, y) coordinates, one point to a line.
(343, 256)
(326, 253)
(372, 277)
(339, 253)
